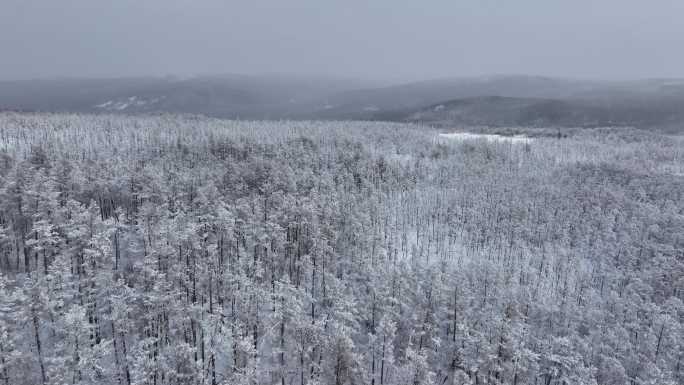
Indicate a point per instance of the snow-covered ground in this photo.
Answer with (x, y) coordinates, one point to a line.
(462, 136)
(371, 109)
(126, 103)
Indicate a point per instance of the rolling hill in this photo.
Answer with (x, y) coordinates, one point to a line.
(491, 101)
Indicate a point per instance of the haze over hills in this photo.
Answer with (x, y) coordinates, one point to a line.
(662, 113)
(231, 96)
(493, 101)
(521, 100)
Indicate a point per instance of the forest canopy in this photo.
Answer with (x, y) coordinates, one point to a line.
(188, 250)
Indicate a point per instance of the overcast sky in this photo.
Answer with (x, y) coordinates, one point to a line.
(373, 39)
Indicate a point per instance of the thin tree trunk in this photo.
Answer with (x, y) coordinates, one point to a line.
(382, 361)
(39, 350)
(125, 359)
(660, 338)
(282, 348)
(116, 355)
(5, 372)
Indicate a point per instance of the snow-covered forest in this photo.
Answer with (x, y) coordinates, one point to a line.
(184, 250)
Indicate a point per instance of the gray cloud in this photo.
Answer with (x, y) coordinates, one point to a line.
(385, 39)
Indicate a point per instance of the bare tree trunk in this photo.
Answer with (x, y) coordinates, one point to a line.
(116, 355)
(77, 359)
(382, 361)
(27, 257)
(660, 338)
(125, 359)
(38, 348)
(282, 349)
(5, 372)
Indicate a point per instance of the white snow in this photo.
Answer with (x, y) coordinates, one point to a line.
(127, 102)
(463, 136)
(105, 104)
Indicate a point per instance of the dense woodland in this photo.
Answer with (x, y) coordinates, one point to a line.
(184, 250)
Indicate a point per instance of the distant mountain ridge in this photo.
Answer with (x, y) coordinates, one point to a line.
(495, 100)
(231, 96)
(663, 113)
